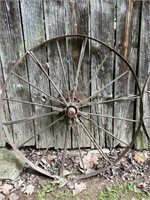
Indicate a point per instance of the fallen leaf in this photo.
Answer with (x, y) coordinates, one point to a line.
(136, 189)
(13, 196)
(70, 185)
(2, 197)
(66, 172)
(89, 160)
(29, 189)
(6, 188)
(139, 157)
(79, 188)
(50, 157)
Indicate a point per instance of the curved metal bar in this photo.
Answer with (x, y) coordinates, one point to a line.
(134, 136)
(143, 90)
(114, 162)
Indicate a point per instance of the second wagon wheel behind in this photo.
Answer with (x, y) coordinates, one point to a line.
(146, 107)
(80, 94)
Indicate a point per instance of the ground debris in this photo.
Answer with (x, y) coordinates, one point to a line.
(29, 189)
(134, 166)
(79, 188)
(2, 196)
(7, 188)
(13, 196)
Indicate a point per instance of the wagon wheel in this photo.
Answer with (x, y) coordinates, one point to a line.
(146, 96)
(74, 89)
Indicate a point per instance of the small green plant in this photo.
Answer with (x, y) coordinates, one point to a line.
(62, 195)
(108, 193)
(123, 191)
(49, 187)
(50, 191)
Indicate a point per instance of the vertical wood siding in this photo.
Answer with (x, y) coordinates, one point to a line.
(123, 24)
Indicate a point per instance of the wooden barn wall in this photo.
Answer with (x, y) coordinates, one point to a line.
(124, 24)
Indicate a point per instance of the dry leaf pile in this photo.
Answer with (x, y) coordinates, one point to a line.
(135, 165)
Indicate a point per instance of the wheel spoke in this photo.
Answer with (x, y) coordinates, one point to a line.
(93, 140)
(65, 149)
(36, 104)
(32, 55)
(29, 118)
(96, 93)
(38, 134)
(97, 71)
(82, 52)
(93, 122)
(107, 116)
(148, 92)
(147, 117)
(112, 100)
(39, 160)
(63, 69)
(77, 138)
(29, 83)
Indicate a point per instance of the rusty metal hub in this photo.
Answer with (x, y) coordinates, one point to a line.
(71, 111)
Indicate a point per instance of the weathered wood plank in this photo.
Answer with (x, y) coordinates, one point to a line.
(2, 116)
(11, 41)
(77, 22)
(144, 69)
(55, 26)
(34, 33)
(102, 28)
(127, 41)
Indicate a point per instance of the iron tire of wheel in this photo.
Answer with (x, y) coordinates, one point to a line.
(78, 56)
(146, 93)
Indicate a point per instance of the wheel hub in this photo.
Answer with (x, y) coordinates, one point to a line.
(71, 111)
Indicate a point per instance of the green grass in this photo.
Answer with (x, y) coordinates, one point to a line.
(117, 191)
(123, 191)
(49, 187)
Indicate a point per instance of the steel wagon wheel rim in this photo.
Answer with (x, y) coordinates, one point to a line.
(80, 122)
(144, 93)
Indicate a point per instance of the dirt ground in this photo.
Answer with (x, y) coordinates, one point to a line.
(134, 168)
